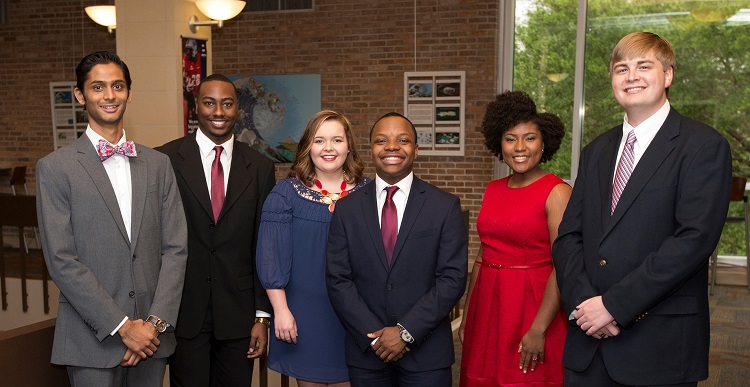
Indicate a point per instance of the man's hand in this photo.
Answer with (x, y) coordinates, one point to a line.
(258, 341)
(130, 359)
(140, 337)
(389, 346)
(609, 330)
(591, 315)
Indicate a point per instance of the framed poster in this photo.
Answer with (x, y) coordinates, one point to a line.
(274, 111)
(193, 72)
(435, 103)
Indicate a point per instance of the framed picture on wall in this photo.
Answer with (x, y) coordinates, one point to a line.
(435, 103)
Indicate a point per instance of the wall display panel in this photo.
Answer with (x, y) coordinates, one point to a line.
(435, 103)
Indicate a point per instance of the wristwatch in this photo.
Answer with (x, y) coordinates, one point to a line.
(161, 325)
(405, 335)
(263, 320)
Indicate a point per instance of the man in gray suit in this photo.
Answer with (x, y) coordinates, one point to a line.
(114, 238)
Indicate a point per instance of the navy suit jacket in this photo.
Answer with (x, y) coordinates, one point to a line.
(649, 259)
(426, 278)
(221, 255)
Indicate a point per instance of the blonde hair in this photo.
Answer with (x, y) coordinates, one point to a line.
(640, 44)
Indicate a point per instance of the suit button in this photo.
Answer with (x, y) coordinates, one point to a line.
(208, 279)
(389, 287)
(602, 262)
(211, 225)
(213, 251)
(131, 294)
(134, 257)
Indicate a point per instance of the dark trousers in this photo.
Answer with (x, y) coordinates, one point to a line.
(597, 375)
(394, 376)
(204, 361)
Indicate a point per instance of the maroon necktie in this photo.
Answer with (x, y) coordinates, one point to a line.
(217, 184)
(389, 223)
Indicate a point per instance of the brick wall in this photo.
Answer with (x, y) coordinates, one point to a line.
(361, 48)
(42, 43)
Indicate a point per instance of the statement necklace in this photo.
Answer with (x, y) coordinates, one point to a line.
(331, 198)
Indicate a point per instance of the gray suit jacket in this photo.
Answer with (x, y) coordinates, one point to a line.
(101, 274)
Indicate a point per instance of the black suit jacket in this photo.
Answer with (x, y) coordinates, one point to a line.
(649, 259)
(426, 278)
(221, 256)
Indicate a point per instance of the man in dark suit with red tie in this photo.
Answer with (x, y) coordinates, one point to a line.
(647, 210)
(222, 324)
(396, 266)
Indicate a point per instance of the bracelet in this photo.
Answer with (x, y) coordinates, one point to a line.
(263, 320)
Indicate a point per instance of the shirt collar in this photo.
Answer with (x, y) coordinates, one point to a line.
(403, 185)
(94, 137)
(649, 127)
(206, 145)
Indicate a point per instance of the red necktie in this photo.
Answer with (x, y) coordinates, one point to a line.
(389, 223)
(217, 184)
(624, 169)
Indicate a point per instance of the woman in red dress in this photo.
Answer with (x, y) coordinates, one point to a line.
(513, 329)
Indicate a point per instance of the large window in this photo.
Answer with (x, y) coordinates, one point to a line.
(711, 83)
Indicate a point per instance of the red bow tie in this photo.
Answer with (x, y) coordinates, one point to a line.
(106, 150)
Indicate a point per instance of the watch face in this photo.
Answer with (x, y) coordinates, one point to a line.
(161, 326)
(405, 336)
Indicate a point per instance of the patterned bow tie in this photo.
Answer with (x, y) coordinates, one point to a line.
(106, 150)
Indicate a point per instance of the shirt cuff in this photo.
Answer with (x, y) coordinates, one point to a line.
(119, 326)
(260, 313)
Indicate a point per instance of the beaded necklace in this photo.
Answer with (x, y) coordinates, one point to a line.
(331, 198)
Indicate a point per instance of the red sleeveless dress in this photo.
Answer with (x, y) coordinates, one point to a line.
(517, 257)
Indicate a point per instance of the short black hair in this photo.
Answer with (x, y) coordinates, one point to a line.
(218, 78)
(96, 58)
(512, 108)
(394, 114)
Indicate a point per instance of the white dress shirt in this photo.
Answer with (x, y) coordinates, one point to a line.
(206, 147)
(118, 171)
(399, 197)
(644, 134)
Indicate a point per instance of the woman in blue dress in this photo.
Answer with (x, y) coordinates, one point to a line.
(291, 255)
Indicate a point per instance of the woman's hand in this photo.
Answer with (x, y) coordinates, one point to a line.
(462, 328)
(531, 349)
(285, 326)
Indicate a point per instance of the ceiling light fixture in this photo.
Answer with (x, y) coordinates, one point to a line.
(104, 15)
(217, 10)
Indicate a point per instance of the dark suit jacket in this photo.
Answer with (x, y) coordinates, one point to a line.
(102, 274)
(426, 278)
(221, 256)
(649, 259)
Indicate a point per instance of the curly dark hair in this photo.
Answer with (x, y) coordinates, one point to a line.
(516, 107)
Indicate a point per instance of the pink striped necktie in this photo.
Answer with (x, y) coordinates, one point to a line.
(624, 169)
(217, 184)
(389, 223)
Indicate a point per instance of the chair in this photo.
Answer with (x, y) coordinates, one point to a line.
(19, 211)
(18, 179)
(738, 194)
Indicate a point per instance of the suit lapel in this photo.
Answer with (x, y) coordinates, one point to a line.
(90, 161)
(370, 216)
(413, 207)
(139, 184)
(239, 179)
(661, 146)
(191, 169)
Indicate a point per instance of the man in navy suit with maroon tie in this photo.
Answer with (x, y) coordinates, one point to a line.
(396, 266)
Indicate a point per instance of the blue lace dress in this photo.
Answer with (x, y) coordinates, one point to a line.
(291, 255)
